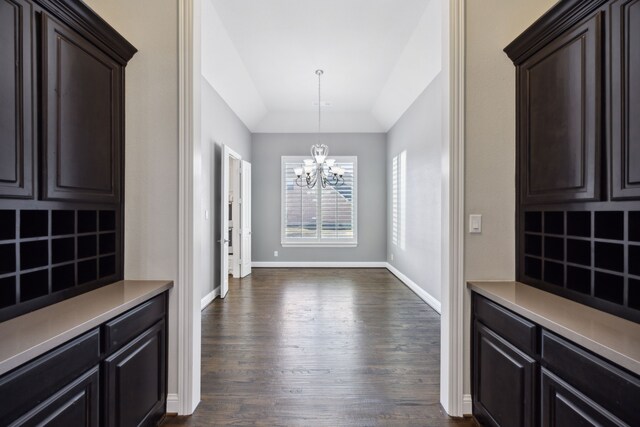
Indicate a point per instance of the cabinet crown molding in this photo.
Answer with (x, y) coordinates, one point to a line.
(561, 17)
(77, 13)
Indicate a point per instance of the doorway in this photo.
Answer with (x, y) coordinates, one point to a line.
(235, 225)
(452, 347)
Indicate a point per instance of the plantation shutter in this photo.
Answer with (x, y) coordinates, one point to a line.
(300, 206)
(394, 201)
(337, 207)
(319, 216)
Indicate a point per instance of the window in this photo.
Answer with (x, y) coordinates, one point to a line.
(319, 216)
(398, 199)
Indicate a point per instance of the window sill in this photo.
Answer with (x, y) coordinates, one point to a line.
(319, 245)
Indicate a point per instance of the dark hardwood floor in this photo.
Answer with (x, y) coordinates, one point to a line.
(320, 347)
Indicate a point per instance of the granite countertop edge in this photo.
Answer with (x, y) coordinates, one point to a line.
(27, 354)
(610, 353)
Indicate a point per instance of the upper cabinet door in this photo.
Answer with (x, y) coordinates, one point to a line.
(625, 99)
(16, 112)
(560, 124)
(82, 117)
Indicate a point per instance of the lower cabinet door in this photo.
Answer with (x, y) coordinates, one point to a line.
(562, 405)
(504, 386)
(136, 381)
(75, 405)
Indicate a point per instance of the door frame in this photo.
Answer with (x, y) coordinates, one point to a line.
(245, 218)
(225, 180)
(453, 370)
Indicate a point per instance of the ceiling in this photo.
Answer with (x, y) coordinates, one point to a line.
(377, 55)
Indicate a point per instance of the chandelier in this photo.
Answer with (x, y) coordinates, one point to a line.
(319, 167)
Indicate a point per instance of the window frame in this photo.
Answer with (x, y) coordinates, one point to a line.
(318, 241)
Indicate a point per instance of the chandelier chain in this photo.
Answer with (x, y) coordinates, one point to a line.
(313, 170)
(319, 73)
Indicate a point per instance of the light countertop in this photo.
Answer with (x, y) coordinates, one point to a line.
(33, 334)
(609, 336)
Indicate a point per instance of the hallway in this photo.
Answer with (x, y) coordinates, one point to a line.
(319, 347)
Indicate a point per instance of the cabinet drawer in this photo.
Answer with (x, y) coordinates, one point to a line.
(515, 329)
(75, 405)
(129, 325)
(614, 389)
(28, 386)
(562, 405)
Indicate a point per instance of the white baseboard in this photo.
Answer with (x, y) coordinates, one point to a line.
(467, 408)
(172, 403)
(424, 295)
(304, 264)
(206, 300)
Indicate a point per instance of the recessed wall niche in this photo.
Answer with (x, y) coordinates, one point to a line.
(7, 224)
(634, 226)
(579, 224)
(579, 279)
(63, 222)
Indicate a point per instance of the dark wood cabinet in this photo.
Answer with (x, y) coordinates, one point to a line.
(16, 102)
(560, 117)
(24, 389)
(625, 99)
(61, 152)
(88, 383)
(562, 405)
(553, 384)
(504, 381)
(136, 380)
(578, 153)
(82, 124)
(614, 390)
(75, 405)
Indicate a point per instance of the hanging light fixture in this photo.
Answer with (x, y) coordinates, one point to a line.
(319, 167)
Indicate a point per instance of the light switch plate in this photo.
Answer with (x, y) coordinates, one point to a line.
(475, 224)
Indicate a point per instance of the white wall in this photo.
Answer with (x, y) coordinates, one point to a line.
(151, 152)
(266, 195)
(224, 69)
(419, 63)
(490, 137)
(419, 132)
(219, 125)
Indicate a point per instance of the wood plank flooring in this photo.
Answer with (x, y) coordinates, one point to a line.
(320, 347)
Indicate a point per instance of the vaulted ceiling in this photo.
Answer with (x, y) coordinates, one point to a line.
(377, 55)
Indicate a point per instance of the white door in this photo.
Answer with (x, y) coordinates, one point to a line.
(245, 208)
(224, 223)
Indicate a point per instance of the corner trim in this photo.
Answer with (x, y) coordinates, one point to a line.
(173, 403)
(467, 405)
(186, 296)
(452, 326)
(208, 299)
(424, 295)
(331, 264)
